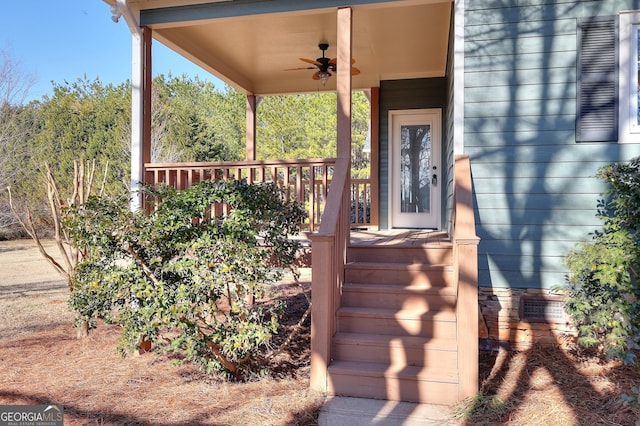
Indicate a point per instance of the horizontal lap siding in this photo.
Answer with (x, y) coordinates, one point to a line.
(534, 188)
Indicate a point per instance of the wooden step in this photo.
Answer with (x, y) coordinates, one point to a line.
(439, 324)
(412, 297)
(380, 381)
(398, 351)
(397, 273)
(434, 254)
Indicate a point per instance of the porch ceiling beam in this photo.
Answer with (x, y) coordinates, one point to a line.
(199, 12)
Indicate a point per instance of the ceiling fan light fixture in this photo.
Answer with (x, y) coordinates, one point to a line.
(323, 76)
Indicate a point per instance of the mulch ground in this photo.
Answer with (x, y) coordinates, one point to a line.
(552, 386)
(42, 362)
(96, 385)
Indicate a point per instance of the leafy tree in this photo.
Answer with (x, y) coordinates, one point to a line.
(603, 288)
(16, 128)
(180, 277)
(84, 120)
(200, 123)
(304, 126)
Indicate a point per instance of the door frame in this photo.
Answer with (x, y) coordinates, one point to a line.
(434, 116)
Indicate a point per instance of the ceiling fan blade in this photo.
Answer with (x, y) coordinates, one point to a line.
(301, 68)
(315, 76)
(355, 71)
(310, 61)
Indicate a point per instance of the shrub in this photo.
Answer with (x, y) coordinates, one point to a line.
(183, 278)
(603, 295)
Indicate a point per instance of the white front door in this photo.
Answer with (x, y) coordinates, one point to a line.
(414, 168)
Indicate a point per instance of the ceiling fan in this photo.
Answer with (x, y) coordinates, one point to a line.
(324, 66)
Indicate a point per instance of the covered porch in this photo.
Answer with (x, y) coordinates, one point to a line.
(251, 45)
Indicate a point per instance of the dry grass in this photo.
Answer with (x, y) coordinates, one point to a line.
(42, 362)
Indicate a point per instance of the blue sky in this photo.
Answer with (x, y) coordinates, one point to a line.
(66, 39)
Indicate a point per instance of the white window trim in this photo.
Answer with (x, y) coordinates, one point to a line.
(628, 126)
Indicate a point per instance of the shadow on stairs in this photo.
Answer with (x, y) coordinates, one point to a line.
(396, 327)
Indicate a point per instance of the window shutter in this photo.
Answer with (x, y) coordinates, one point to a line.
(597, 96)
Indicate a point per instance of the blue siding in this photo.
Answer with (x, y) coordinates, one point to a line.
(406, 94)
(534, 189)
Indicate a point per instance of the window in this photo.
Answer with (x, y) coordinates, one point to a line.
(634, 112)
(597, 74)
(629, 92)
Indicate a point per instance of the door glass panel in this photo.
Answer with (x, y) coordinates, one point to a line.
(637, 77)
(415, 161)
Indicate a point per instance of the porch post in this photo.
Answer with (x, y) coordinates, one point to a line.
(252, 109)
(343, 83)
(140, 111)
(374, 166)
(343, 88)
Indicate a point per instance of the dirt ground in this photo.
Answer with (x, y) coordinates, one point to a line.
(42, 362)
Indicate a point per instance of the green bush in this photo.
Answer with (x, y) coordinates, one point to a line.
(603, 292)
(183, 279)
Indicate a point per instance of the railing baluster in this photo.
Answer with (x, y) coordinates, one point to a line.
(312, 199)
(311, 191)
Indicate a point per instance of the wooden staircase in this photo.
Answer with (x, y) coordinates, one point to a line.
(396, 325)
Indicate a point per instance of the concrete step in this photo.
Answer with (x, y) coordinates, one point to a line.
(439, 324)
(380, 381)
(347, 411)
(411, 297)
(440, 275)
(396, 351)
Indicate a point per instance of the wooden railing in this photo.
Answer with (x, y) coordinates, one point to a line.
(361, 203)
(465, 258)
(293, 176)
(329, 250)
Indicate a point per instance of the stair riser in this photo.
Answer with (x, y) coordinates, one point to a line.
(426, 327)
(407, 301)
(429, 279)
(445, 361)
(430, 255)
(393, 389)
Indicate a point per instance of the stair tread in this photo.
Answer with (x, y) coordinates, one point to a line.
(433, 343)
(443, 290)
(446, 243)
(374, 369)
(442, 313)
(398, 265)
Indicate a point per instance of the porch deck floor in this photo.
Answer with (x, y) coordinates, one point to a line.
(399, 237)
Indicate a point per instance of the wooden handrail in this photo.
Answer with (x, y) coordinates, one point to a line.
(465, 255)
(242, 164)
(294, 176)
(306, 180)
(329, 248)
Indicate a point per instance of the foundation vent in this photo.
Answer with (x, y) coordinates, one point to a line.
(542, 309)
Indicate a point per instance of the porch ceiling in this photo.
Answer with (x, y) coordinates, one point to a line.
(252, 52)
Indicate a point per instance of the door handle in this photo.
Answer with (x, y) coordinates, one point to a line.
(434, 179)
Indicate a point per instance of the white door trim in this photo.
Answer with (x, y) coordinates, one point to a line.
(432, 116)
